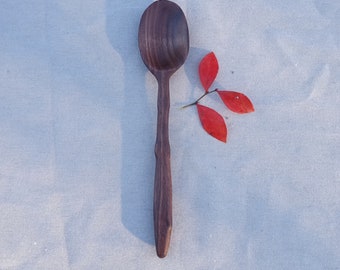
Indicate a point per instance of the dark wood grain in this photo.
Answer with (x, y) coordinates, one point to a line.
(163, 41)
(163, 37)
(162, 206)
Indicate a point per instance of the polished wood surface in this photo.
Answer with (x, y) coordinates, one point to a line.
(164, 45)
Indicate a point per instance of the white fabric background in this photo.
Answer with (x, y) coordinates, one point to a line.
(77, 130)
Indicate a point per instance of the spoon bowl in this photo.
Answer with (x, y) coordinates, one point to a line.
(163, 37)
(163, 41)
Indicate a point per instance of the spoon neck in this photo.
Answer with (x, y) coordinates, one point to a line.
(163, 76)
(163, 105)
(163, 79)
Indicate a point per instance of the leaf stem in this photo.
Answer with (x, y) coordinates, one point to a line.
(194, 103)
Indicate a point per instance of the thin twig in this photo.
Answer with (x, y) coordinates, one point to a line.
(194, 103)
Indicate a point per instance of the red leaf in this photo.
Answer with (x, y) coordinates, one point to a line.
(236, 102)
(208, 69)
(212, 122)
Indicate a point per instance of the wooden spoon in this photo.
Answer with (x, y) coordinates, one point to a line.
(164, 45)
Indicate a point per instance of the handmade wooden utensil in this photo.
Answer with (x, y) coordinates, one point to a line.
(164, 45)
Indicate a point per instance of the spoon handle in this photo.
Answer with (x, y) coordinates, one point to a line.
(162, 204)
